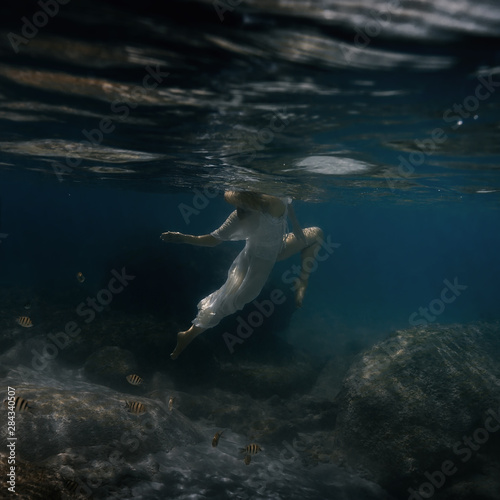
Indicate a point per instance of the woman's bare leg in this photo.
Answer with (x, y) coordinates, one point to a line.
(185, 338)
(314, 237)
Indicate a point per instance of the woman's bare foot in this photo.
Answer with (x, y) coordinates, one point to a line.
(184, 339)
(300, 290)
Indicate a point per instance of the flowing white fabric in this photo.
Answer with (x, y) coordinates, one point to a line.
(248, 273)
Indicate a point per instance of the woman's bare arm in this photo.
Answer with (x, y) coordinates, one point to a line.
(205, 240)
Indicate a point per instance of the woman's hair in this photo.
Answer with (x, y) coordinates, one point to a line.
(246, 200)
(250, 200)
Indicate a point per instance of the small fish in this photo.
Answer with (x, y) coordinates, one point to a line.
(171, 403)
(20, 404)
(80, 277)
(135, 407)
(251, 449)
(247, 459)
(134, 379)
(215, 440)
(71, 485)
(24, 321)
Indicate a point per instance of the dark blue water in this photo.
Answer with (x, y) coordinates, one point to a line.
(120, 121)
(390, 260)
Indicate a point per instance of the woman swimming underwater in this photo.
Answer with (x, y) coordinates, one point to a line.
(261, 220)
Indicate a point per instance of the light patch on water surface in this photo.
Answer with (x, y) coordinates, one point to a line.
(333, 165)
(388, 93)
(62, 148)
(111, 170)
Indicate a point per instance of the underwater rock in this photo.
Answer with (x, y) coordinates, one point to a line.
(32, 482)
(408, 405)
(93, 420)
(110, 365)
(84, 433)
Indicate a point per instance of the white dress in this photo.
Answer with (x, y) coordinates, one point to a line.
(265, 236)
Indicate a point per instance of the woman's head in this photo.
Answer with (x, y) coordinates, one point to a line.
(246, 200)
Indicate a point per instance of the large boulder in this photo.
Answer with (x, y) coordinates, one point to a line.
(78, 414)
(85, 432)
(421, 410)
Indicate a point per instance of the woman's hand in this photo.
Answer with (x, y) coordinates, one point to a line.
(173, 237)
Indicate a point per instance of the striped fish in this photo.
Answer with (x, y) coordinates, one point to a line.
(135, 407)
(134, 379)
(171, 403)
(20, 404)
(251, 449)
(247, 459)
(24, 321)
(215, 440)
(71, 485)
